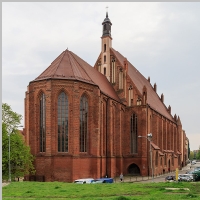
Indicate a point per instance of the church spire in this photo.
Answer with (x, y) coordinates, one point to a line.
(106, 26)
(106, 44)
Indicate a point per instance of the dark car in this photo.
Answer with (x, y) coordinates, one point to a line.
(196, 174)
(170, 178)
(107, 180)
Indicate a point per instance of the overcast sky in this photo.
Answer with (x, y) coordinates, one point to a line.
(162, 40)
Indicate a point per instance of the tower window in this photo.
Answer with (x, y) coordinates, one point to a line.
(104, 47)
(104, 27)
(104, 71)
(104, 59)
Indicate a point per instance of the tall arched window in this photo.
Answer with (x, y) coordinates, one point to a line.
(134, 133)
(83, 123)
(42, 123)
(62, 122)
(121, 80)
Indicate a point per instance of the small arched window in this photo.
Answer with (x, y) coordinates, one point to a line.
(104, 47)
(62, 123)
(104, 59)
(83, 123)
(42, 123)
(104, 71)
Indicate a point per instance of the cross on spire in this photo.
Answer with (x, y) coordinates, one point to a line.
(106, 11)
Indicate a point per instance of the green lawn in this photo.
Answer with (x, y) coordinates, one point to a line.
(115, 191)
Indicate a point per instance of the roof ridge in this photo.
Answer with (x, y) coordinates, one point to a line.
(81, 66)
(64, 52)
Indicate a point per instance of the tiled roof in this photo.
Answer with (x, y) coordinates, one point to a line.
(69, 66)
(140, 81)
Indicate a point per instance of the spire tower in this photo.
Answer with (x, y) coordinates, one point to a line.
(106, 44)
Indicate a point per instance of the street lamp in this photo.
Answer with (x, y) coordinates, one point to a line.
(10, 130)
(149, 136)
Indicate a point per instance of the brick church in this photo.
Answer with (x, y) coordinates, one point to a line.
(83, 121)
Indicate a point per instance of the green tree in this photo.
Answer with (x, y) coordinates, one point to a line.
(191, 155)
(198, 154)
(21, 160)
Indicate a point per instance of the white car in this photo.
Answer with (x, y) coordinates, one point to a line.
(193, 162)
(84, 180)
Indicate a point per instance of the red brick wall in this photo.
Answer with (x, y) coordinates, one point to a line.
(108, 134)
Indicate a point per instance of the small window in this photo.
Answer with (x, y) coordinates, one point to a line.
(104, 47)
(104, 71)
(104, 59)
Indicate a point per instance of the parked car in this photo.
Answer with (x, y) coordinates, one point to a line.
(197, 169)
(84, 180)
(97, 181)
(170, 178)
(193, 162)
(186, 177)
(107, 180)
(196, 174)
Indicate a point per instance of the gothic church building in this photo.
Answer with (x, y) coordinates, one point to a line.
(83, 121)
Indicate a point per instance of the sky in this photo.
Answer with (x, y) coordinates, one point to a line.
(162, 40)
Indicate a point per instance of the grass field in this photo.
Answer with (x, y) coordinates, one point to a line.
(115, 191)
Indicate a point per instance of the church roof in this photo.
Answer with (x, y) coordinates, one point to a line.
(140, 81)
(71, 67)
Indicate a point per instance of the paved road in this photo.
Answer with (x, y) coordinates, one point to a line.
(160, 178)
(140, 179)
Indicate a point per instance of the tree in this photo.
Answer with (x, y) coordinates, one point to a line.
(198, 154)
(21, 160)
(191, 155)
(9, 118)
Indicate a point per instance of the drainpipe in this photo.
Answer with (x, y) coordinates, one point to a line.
(106, 137)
